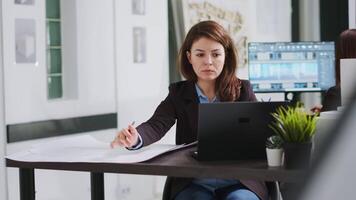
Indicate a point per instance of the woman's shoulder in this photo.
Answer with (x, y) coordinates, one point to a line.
(246, 92)
(334, 90)
(180, 85)
(182, 88)
(245, 83)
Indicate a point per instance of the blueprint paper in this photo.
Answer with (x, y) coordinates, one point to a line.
(87, 149)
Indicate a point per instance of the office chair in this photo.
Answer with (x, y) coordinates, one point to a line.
(273, 190)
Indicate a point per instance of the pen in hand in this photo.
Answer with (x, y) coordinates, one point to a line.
(125, 137)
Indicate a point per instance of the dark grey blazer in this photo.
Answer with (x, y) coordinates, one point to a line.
(181, 105)
(331, 99)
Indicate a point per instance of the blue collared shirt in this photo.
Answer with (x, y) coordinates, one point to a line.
(203, 98)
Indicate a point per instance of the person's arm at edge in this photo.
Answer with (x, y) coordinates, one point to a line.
(157, 126)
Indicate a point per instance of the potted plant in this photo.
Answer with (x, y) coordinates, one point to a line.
(274, 150)
(297, 128)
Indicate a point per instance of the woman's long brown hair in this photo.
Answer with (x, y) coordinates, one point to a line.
(227, 84)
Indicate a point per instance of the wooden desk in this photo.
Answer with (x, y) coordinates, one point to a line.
(178, 164)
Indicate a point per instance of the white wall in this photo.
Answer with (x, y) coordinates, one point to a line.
(352, 13)
(26, 84)
(309, 21)
(3, 175)
(104, 51)
(269, 21)
(141, 86)
(26, 90)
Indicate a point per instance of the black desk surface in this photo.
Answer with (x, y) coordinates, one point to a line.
(179, 163)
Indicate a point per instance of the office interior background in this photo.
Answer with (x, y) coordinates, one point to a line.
(111, 61)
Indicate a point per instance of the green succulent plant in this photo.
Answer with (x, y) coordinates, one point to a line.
(274, 142)
(293, 124)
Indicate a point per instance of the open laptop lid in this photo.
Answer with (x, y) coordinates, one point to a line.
(234, 130)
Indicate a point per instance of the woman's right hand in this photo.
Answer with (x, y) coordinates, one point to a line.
(127, 137)
(316, 109)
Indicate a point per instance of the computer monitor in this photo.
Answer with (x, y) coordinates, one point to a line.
(291, 66)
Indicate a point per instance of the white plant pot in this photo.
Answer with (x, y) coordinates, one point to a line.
(274, 157)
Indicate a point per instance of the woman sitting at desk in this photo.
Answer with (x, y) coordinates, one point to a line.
(208, 60)
(345, 48)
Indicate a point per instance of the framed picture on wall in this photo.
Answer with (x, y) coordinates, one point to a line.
(25, 41)
(139, 44)
(138, 7)
(25, 2)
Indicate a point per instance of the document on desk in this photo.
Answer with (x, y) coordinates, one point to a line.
(88, 149)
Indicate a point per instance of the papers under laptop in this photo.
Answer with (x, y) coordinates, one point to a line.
(234, 130)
